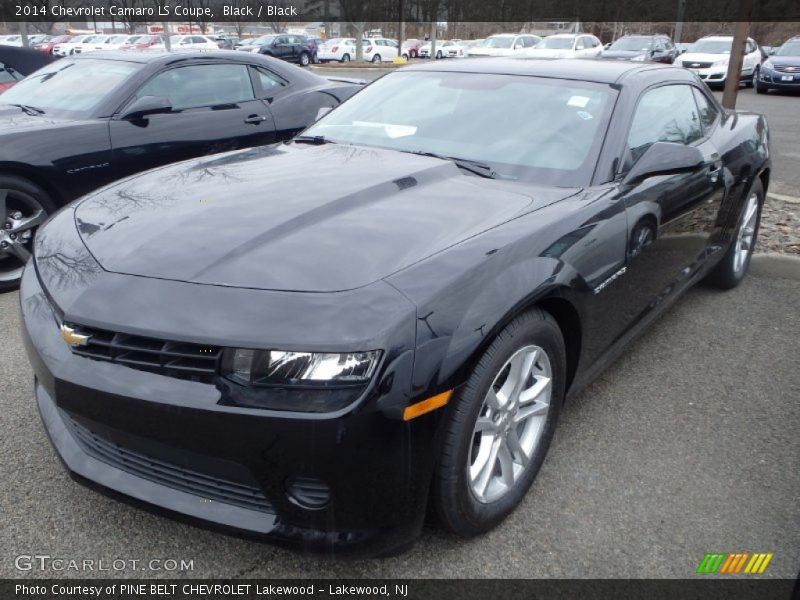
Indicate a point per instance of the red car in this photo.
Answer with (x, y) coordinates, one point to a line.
(8, 77)
(411, 48)
(47, 45)
(146, 41)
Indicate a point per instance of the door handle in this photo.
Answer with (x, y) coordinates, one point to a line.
(255, 119)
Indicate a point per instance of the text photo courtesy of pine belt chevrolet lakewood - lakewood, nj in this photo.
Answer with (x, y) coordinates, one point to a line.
(338, 286)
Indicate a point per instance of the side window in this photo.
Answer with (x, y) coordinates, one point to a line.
(664, 114)
(270, 83)
(580, 44)
(201, 85)
(708, 112)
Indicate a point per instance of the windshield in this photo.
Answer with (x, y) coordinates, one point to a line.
(498, 42)
(541, 130)
(6, 75)
(789, 49)
(264, 39)
(556, 43)
(70, 88)
(116, 39)
(632, 44)
(711, 47)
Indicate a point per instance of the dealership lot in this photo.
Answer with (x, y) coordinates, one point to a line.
(687, 445)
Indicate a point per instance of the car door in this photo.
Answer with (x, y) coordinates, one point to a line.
(214, 109)
(672, 218)
(752, 58)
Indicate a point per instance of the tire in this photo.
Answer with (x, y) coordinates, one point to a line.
(345, 58)
(405, 56)
(26, 205)
(760, 89)
(753, 81)
(438, 54)
(304, 59)
(459, 504)
(376, 59)
(732, 268)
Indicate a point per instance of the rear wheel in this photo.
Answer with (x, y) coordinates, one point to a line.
(438, 54)
(405, 56)
(500, 426)
(733, 267)
(345, 58)
(305, 59)
(23, 207)
(376, 58)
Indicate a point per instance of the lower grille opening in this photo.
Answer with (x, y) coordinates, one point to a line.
(158, 471)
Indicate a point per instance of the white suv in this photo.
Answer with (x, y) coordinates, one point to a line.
(709, 57)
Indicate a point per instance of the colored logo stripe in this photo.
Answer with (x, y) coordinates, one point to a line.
(732, 563)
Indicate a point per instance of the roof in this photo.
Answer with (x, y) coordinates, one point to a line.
(162, 55)
(581, 69)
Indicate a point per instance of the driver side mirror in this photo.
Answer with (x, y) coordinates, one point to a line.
(663, 158)
(146, 105)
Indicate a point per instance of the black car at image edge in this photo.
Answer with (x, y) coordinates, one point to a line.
(319, 342)
(85, 121)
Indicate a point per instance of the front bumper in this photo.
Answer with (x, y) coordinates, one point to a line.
(168, 443)
(778, 80)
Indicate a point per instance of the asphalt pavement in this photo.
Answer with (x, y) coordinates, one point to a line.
(688, 444)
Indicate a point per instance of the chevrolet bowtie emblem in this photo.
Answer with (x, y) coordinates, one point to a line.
(72, 337)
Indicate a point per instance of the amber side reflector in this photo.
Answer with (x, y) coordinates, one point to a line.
(420, 408)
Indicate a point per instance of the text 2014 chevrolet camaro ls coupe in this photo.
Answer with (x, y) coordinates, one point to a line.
(318, 340)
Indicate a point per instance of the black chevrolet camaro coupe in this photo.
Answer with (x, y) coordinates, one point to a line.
(316, 341)
(82, 122)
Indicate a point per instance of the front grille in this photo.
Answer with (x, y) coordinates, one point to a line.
(174, 359)
(787, 69)
(696, 65)
(179, 478)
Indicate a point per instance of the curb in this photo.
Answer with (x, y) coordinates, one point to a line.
(772, 264)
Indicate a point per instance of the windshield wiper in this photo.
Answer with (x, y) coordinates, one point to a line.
(473, 166)
(317, 140)
(31, 110)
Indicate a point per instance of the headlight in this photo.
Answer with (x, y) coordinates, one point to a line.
(721, 63)
(281, 368)
(768, 65)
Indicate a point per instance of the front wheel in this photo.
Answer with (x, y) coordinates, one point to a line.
(761, 89)
(305, 59)
(345, 58)
(733, 267)
(753, 81)
(500, 426)
(438, 54)
(23, 207)
(376, 58)
(405, 56)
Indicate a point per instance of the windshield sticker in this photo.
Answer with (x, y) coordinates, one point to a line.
(579, 101)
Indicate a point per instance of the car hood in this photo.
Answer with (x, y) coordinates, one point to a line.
(702, 57)
(785, 61)
(13, 119)
(294, 217)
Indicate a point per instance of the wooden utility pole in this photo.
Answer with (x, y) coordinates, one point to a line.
(433, 40)
(400, 28)
(679, 22)
(737, 54)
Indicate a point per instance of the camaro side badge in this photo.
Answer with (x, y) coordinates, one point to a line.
(72, 338)
(602, 286)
